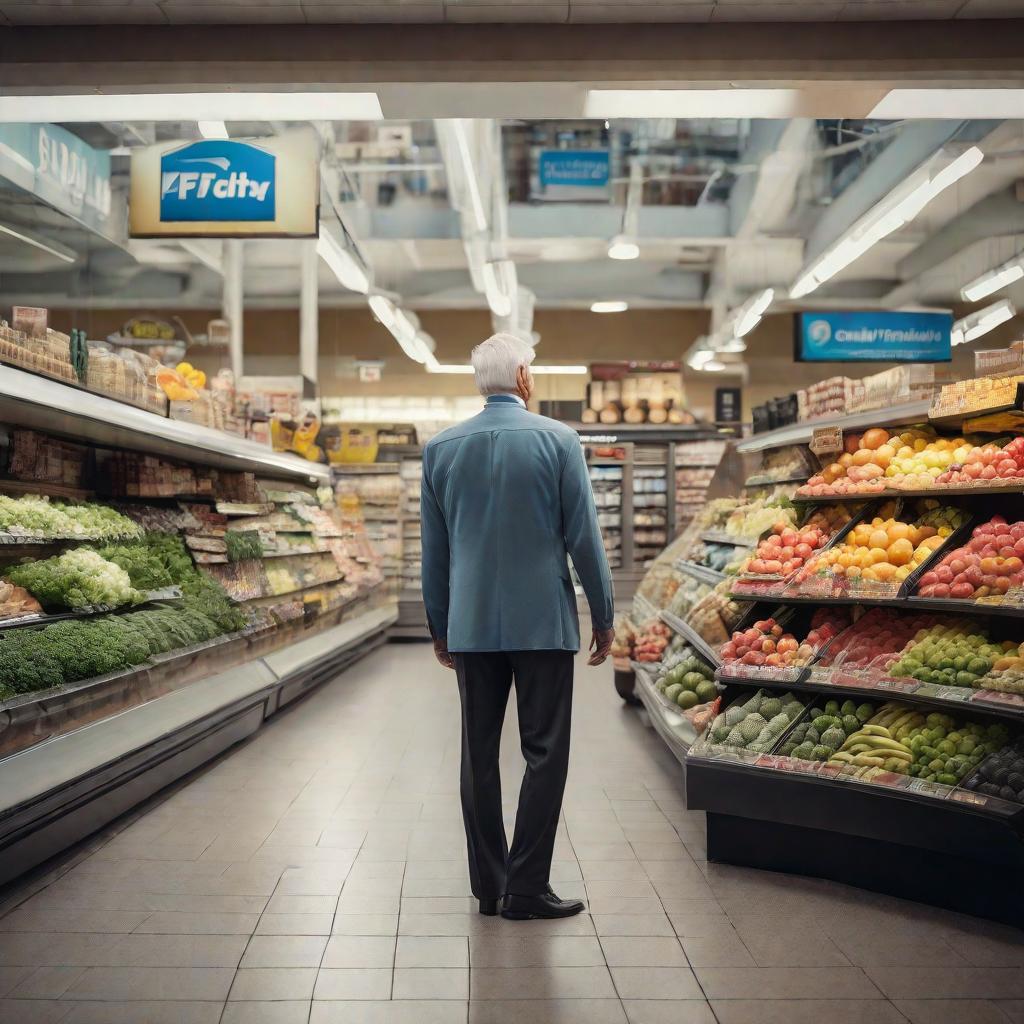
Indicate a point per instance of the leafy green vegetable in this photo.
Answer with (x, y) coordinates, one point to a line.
(75, 579)
(145, 568)
(36, 516)
(243, 544)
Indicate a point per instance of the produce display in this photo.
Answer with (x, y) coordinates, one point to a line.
(38, 518)
(1001, 774)
(881, 552)
(715, 556)
(243, 544)
(867, 647)
(957, 653)
(755, 723)
(650, 641)
(715, 614)
(75, 579)
(748, 520)
(686, 680)
(825, 731)
(767, 645)
(989, 465)
(989, 566)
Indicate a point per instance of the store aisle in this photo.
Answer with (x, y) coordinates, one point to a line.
(317, 874)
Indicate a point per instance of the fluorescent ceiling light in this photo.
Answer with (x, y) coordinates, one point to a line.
(193, 106)
(645, 103)
(713, 366)
(955, 104)
(623, 249)
(992, 280)
(343, 264)
(469, 174)
(974, 325)
(898, 209)
(435, 367)
(700, 357)
(750, 313)
(733, 347)
(213, 129)
(611, 306)
(383, 309)
(497, 298)
(38, 242)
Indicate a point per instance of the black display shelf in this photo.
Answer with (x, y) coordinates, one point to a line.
(966, 855)
(935, 604)
(692, 637)
(760, 481)
(954, 705)
(712, 577)
(928, 492)
(720, 537)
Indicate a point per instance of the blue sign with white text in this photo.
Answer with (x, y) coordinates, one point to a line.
(217, 180)
(576, 168)
(883, 337)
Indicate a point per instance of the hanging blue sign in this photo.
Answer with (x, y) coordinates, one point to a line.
(574, 168)
(217, 180)
(59, 168)
(883, 337)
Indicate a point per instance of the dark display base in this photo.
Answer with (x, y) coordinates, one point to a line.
(934, 876)
(625, 687)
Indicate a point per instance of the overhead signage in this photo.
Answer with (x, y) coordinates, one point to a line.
(573, 174)
(227, 188)
(728, 405)
(60, 169)
(868, 336)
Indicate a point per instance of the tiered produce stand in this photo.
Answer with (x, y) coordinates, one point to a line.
(869, 720)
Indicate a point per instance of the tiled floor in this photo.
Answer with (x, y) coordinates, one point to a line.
(317, 874)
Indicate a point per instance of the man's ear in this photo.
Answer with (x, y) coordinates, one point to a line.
(523, 383)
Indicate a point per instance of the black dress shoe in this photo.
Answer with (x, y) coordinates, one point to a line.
(490, 908)
(546, 905)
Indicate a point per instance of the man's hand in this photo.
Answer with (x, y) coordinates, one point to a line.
(442, 655)
(600, 645)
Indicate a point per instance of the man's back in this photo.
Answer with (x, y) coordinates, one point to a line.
(505, 496)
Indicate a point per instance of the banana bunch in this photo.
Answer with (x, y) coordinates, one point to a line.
(878, 746)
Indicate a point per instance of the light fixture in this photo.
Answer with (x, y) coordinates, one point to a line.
(621, 248)
(545, 370)
(212, 129)
(610, 306)
(645, 103)
(992, 280)
(974, 325)
(713, 366)
(346, 268)
(497, 298)
(700, 357)
(383, 309)
(898, 209)
(734, 347)
(748, 316)
(193, 106)
(469, 174)
(954, 104)
(38, 242)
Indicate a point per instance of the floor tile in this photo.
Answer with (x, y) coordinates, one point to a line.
(432, 1011)
(47, 983)
(271, 983)
(949, 982)
(432, 951)
(632, 924)
(284, 951)
(295, 924)
(662, 1011)
(547, 1011)
(360, 951)
(536, 951)
(348, 984)
(536, 982)
(278, 1012)
(655, 983)
(11, 976)
(365, 924)
(642, 951)
(951, 1011)
(806, 1011)
(170, 923)
(717, 951)
(174, 951)
(430, 983)
(117, 984)
(785, 983)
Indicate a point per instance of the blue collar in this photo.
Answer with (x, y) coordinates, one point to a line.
(505, 400)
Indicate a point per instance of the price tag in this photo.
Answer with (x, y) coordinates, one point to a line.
(965, 796)
(926, 788)
(827, 440)
(953, 693)
(998, 698)
(896, 685)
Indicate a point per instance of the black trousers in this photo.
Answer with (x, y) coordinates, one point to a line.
(543, 681)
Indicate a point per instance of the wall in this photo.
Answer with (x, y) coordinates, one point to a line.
(567, 336)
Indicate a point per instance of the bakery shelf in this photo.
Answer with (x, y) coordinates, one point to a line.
(55, 408)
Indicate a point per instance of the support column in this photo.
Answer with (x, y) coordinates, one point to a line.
(232, 302)
(309, 310)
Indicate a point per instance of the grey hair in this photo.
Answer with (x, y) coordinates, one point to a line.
(496, 362)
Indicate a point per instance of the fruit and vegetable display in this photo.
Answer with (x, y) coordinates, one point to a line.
(76, 579)
(990, 565)
(715, 615)
(955, 652)
(1001, 774)
(715, 556)
(787, 548)
(686, 680)
(988, 465)
(882, 552)
(242, 544)
(687, 595)
(36, 517)
(826, 729)
(650, 641)
(747, 521)
(767, 645)
(755, 723)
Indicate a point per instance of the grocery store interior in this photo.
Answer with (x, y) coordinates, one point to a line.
(245, 252)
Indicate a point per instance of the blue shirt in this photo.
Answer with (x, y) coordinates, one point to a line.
(505, 498)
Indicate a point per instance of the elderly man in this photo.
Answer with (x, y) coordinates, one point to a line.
(505, 498)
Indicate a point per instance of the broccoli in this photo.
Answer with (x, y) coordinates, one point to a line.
(144, 567)
(27, 664)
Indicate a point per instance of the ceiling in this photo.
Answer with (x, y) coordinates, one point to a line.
(209, 12)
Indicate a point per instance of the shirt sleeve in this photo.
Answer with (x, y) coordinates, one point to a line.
(583, 538)
(435, 558)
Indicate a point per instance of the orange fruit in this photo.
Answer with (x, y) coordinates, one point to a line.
(900, 551)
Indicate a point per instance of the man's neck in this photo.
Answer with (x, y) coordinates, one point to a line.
(509, 394)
